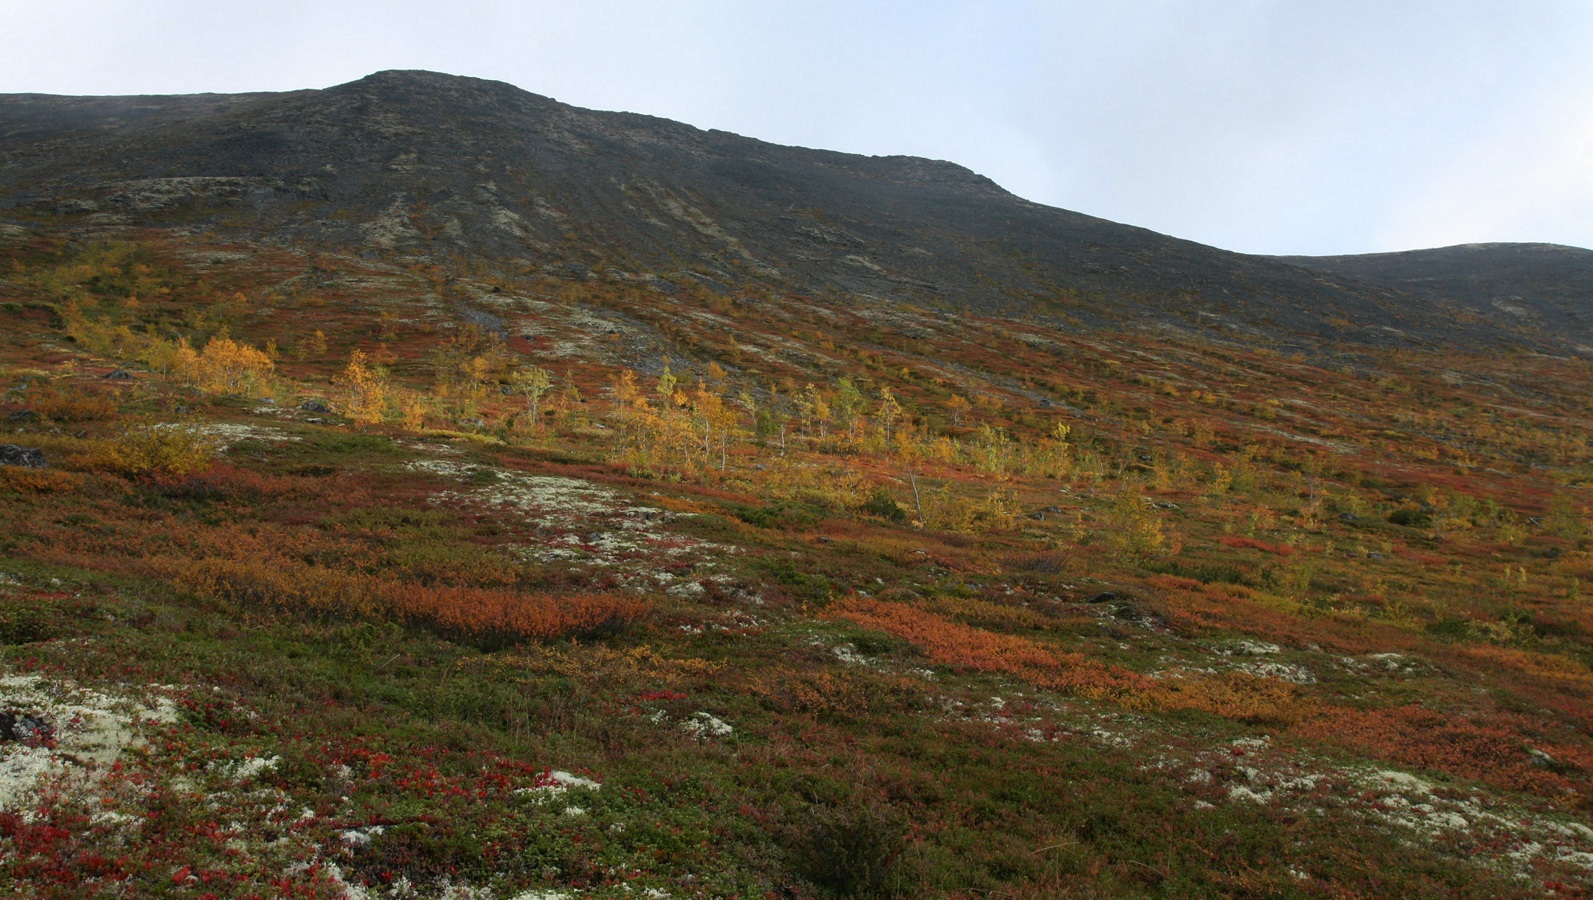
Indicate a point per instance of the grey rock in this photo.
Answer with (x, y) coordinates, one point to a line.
(25, 728)
(27, 457)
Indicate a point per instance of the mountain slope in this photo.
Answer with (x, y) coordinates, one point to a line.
(422, 164)
(357, 544)
(1546, 287)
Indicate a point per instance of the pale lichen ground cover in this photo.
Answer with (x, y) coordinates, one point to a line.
(110, 753)
(86, 733)
(587, 526)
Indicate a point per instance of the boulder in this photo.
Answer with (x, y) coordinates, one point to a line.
(25, 729)
(28, 457)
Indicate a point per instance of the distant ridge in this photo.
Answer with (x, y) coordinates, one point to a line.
(1545, 286)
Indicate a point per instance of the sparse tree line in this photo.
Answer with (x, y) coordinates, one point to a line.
(771, 436)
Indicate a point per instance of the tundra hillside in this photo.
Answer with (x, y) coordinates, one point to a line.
(420, 488)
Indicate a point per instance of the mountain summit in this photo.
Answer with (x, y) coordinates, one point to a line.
(422, 164)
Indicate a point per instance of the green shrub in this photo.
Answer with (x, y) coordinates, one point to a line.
(1410, 517)
(851, 849)
(882, 504)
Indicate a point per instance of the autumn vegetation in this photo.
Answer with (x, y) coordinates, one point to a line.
(845, 527)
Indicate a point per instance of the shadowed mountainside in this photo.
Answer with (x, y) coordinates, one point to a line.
(1547, 287)
(438, 166)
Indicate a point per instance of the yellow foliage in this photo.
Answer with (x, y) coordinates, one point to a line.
(157, 451)
(364, 390)
(412, 412)
(1133, 530)
(947, 510)
(225, 366)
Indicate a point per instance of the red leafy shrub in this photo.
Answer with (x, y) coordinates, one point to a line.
(1234, 695)
(1421, 737)
(964, 647)
(1248, 543)
(481, 612)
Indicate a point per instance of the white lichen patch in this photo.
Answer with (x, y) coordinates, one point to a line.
(1243, 794)
(848, 654)
(542, 494)
(557, 783)
(578, 523)
(1250, 771)
(87, 731)
(1248, 648)
(246, 769)
(703, 725)
(1401, 781)
(1280, 671)
(225, 434)
(360, 837)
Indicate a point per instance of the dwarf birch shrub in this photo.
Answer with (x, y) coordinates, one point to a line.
(225, 366)
(365, 389)
(1132, 530)
(948, 510)
(72, 405)
(158, 451)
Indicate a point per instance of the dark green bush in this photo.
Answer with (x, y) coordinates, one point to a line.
(883, 505)
(1410, 517)
(851, 849)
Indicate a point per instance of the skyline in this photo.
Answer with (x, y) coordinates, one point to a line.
(1253, 126)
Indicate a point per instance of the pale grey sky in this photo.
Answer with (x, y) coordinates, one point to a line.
(1289, 126)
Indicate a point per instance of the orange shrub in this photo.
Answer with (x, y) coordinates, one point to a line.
(964, 647)
(486, 611)
(39, 481)
(999, 615)
(1248, 543)
(794, 690)
(1175, 583)
(226, 480)
(277, 584)
(72, 405)
(1420, 737)
(1233, 695)
(1569, 674)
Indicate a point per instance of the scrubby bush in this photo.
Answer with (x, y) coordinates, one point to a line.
(882, 504)
(851, 849)
(158, 451)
